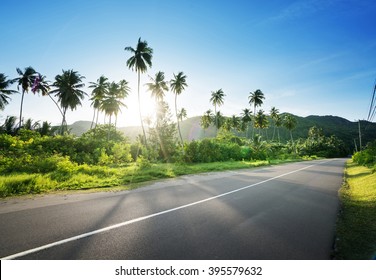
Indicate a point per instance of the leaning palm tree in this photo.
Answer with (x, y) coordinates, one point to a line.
(69, 92)
(139, 62)
(25, 81)
(40, 85)
(217, 100)
(177, 85)
(4, 91)
(100, 89)
(256, 98)
(274, 115)
(246, 118)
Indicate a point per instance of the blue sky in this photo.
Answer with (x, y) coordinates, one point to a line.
(313, 57)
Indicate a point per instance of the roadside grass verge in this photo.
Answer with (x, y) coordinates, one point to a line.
(356, 225)
(106, 178)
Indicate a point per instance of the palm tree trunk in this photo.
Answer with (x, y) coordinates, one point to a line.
(273, 133)
(92, 122)
(57, 105)
(139, 107)
(22, 98)
(96, 122)
(216, 120)
(279, 139)
(177, 118)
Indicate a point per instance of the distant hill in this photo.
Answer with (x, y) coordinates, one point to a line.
(331, 125)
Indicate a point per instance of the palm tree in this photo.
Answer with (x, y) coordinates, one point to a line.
(278, 122)
(235, 122)
(220, 120)
(182, 114)
(256, 98)
(68, 91)
(9, 126)
(25, 81)
(261, 121)
(274, 114)
(246, 117)
(177, 85)
(100, 89)
(290, 123)
(207, 119)
(139, 62)
(111, 103)
(4, 91)
(158, 86)
(217, 100)
(42, 86)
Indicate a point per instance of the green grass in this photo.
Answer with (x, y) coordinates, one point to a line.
(356, 226)
(99, 178)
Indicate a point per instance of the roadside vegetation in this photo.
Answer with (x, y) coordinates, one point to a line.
(356, 227)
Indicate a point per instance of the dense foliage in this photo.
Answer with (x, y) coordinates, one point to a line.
(366, 156)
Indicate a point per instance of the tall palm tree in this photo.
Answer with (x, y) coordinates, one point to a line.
(217, 100)
(25, 81)
(278, 122)
(274, 114)
(100, 89)
(4, 91)
(290, 123)
(158, 86)
(256, 98)
(178, 84)
(246, 118)
(139, 62)
(68, 91)
(111, 103)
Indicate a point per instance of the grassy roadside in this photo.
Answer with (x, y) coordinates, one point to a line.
(356, 226)
(103, 178)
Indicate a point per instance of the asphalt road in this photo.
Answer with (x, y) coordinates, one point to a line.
(280, 212)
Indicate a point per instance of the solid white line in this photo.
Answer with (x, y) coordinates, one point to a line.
(57, 243)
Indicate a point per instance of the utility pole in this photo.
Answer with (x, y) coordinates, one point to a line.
(360, 137)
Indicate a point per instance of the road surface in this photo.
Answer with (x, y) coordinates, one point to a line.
(280, 212)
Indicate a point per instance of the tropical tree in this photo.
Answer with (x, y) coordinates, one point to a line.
(207, 119)
(111, 103)
(274, 115)
(139, 62)
(100, 89)
(235, 122)
(4, 91)
(256, 98)
(182, 114)
(217, 100)
(42, 86)
(261, 121)
(25, 81)
(158, 86)
(69, 92)
(178, 84)
(246, 118)
(278, 122)
(219, 120)
(9, 126)
(290, 123)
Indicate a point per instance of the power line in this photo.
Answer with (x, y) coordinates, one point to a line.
(372, 107)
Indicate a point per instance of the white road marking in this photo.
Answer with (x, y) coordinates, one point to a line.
(77, 237)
